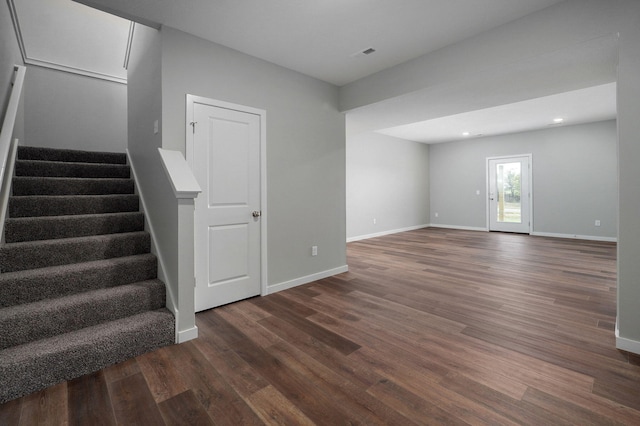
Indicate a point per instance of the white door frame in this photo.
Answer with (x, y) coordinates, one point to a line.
(189, 150)
(488, 188)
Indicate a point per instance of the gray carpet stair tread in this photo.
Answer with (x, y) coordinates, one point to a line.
(55, 227)
(56, 281)
(62, 169)
(41, 254)
(78, 282)
(43, 319)
(67, 155)
(36, 185)
(58, 205)
(36, 365)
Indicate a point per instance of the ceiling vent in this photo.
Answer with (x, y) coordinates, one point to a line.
(365, 52)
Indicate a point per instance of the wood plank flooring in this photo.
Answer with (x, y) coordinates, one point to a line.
(428, 327)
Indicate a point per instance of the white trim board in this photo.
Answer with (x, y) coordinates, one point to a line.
(383, 233)
(575, 237)
(462, 228)
(625, 344)
(186, 335)
(306, 279)
(73, 70)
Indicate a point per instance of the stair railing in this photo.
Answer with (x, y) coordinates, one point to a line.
(7, 145)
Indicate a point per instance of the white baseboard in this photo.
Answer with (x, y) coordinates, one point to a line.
(186, 335)
(576, 237)
(625, 344)
(305, 280)
(380, 234)
(462, 228)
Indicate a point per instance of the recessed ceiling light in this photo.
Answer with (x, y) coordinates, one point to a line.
(558, 120)
(466, 134)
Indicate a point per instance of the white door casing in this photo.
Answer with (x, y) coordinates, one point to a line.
(225, 148)
(500, 216)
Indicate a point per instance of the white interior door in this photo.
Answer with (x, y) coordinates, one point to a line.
(510, 194)
(226, 161)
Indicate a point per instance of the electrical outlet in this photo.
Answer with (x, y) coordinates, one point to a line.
(314, 250)
(375, 221)
(597, 222)
(436, 214)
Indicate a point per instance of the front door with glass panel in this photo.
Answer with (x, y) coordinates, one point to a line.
(509, 194)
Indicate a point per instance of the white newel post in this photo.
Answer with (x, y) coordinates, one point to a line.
(186, 271)
(186, 189)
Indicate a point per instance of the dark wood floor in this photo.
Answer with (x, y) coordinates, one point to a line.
(428, 327)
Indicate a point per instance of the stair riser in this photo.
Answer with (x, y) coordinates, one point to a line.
(48, 154)
(23, 185)
(41, 254)
(39, 284)
(35, 321)
(71, 205)
(77, 170)
(35, 366)
(55, 227)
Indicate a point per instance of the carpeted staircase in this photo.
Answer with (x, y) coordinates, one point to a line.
(78, 287)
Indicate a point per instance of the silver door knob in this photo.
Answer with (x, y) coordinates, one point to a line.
(256, 213)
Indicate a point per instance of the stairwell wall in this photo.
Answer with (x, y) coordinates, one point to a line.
(144, 97)
(71, 111)
(9, 56)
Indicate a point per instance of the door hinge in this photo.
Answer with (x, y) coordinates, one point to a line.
(193, 125)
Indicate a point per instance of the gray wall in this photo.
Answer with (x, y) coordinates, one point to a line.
(9, 56)
(305, 145)
(64, 110)
(628, 324)
(387, 180)
(574, 179)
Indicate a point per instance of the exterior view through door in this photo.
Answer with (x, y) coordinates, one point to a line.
(509, 194)
(226, 159)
